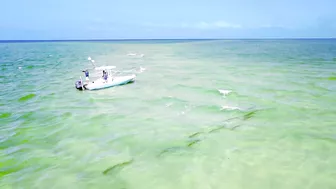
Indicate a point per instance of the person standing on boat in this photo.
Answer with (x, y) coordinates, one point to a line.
(86, 75)
(105, 75)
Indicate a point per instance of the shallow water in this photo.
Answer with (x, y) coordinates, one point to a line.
(272, 125)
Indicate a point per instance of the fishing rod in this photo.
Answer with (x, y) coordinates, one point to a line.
(92, 61)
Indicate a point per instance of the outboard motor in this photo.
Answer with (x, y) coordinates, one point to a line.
(79, 85)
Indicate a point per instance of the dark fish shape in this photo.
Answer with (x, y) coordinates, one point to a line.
(193, 142)
(117, 167)
(249, 115)
(172, 150)
(235, 127)
(217, 129)
(195, 134)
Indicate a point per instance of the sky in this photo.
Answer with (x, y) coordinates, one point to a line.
(154, 19)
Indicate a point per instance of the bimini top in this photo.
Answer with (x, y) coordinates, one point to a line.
(105, 68)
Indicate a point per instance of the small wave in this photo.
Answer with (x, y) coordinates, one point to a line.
(169, 104)
(230, 108)
(142, 69)
(224, 92)
(131, 54)
(208, 108)
(169, 100)
(135, 54)
(196, 89)
(104, 116)
(182, 113)
(27, 115)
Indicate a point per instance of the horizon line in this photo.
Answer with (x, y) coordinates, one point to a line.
(148, 39)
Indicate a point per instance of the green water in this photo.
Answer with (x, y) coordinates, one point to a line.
(172, 128)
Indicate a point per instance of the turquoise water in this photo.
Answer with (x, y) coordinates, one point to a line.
(201, 114)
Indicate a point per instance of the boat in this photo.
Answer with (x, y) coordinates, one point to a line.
(105, 82)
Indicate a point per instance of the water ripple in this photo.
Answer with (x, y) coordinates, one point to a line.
(248, 109)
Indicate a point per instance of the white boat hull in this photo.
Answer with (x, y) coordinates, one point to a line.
(111, 82)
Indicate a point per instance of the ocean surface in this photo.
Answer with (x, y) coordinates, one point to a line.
(219, 114)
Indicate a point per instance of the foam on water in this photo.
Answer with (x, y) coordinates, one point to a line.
(224, 92)
(230, 108)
